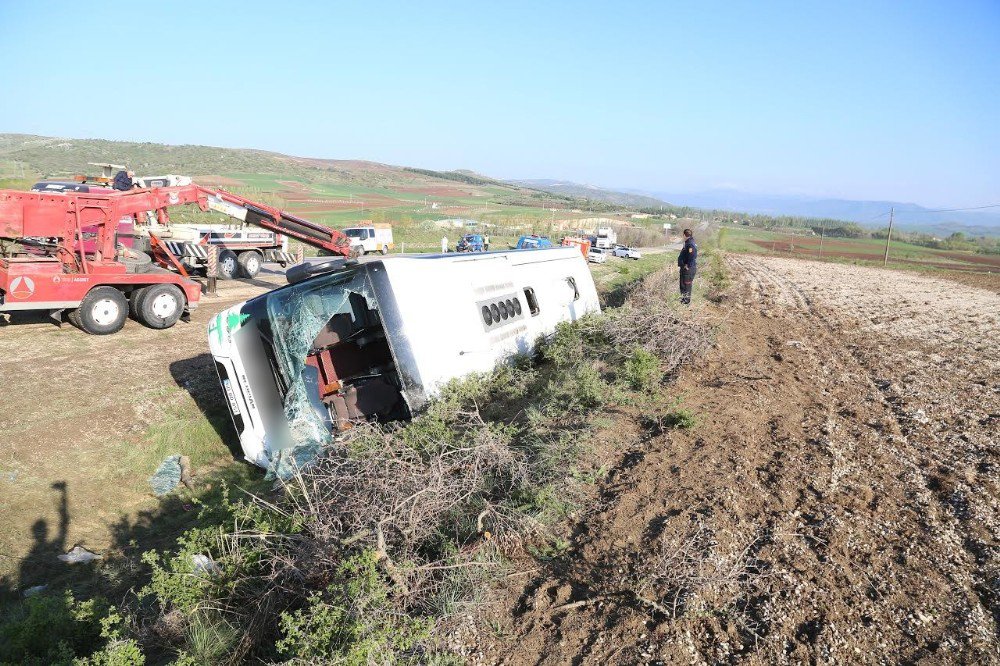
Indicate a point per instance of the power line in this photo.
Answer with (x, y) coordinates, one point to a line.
(939, 210)
(955, 210)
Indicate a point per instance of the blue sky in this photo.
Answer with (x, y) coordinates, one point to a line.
(865, 100)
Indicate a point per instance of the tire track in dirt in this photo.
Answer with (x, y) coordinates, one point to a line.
(944, 470)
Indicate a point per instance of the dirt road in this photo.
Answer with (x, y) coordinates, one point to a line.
(836, 501)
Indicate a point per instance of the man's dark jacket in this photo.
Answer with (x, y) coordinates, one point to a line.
(122, 182)
(688, 258)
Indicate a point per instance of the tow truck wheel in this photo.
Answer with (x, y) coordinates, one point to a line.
(103, 311)
(159, 305)
(229, 265)
(133, 302)
(385, 249)
(357, 251)
(250, 262)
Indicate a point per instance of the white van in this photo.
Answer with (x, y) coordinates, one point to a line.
(371, 238)
(374, 340)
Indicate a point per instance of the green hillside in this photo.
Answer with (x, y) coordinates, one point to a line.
(333, 192)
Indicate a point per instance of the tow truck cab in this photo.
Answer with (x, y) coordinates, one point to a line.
(376, 340)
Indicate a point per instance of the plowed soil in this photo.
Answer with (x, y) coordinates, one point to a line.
(835, 502)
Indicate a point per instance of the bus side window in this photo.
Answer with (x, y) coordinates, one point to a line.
(576, 291)
(529, 295)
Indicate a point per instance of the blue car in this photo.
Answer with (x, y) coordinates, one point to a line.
(533, 242)
(473, 243)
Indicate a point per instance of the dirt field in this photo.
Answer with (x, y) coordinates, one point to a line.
(836, 500)
(89, 418)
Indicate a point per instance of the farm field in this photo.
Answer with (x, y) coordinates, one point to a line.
(835, 500)
(857, 250)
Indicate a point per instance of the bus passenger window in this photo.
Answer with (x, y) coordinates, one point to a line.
(529, 295)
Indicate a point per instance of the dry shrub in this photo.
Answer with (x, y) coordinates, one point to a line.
(701, 571)
(411, 507)
(651, 321)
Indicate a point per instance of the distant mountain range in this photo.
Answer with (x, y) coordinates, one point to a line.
(867, 213)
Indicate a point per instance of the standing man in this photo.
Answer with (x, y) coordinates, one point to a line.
(687, 264)
(444, 244)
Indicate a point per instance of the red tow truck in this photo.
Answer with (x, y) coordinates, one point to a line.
(48, 262)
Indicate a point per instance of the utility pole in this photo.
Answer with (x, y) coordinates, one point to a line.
(822, 230)
(885, 260)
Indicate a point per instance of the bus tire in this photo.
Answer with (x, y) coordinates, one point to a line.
(160, 305)
(229, 265)
(103, 311)
(250, 263)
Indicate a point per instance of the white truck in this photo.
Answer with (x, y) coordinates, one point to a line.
(605, 238)
(370, 238)
(347, 341)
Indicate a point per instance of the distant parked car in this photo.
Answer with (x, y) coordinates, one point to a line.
(533, 242)
(473, 243)
(595, 256)
(627, 252)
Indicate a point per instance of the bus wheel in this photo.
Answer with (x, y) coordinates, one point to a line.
(103, 311)
(250, 262)
(228, 265)
(160, 305)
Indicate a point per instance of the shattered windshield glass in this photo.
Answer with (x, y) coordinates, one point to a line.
(297, 315)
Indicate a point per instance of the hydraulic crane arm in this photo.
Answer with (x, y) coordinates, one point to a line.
(240, 208)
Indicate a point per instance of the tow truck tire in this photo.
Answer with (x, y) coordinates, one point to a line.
(133, 302)
(229, 265)
(385, 249)
(357, 251)
(136, 262)
(250, 263)
(159, 305)
(103, 311)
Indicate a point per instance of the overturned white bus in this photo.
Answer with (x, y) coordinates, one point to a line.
(346, 341)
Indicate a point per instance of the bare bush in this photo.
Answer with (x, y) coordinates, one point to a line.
(649, 320)
(422, 513)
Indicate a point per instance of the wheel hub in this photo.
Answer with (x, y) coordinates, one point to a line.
(105, 312)
(164, 306)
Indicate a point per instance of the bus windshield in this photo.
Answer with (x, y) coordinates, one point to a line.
(330, 345)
